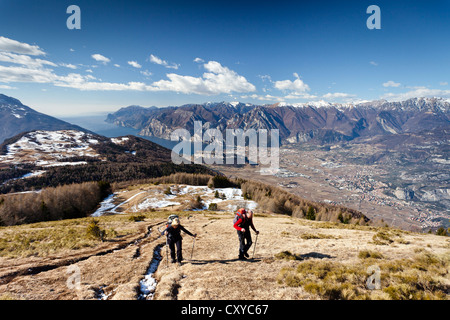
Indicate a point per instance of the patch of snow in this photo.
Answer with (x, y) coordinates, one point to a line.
(62, 164)
(36, 173)
(108, 206)
(442, 161)
(156, 200)
(38, 145)
(152, 203)
(105, 206)
(119, 140)
(147, 285)
(194, 190)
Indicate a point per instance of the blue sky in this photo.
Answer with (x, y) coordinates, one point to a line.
(176, 52)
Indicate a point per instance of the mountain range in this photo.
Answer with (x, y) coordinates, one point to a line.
(321, 121)
(16, 118)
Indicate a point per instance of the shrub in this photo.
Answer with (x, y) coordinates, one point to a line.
(343, 219)
(94, 230)
(441, 232)
(194, 203)
(311, 213)
(220, 181)
(365, 254)
(287, 255)
(137, 218)
(382, 238)
(212, 206)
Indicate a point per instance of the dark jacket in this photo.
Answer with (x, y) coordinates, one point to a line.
(174, 234)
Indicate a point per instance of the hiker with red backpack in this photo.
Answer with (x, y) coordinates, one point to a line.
(243, 221)
(173, 232)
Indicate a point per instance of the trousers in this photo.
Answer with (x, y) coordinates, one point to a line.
(245, 242)
(179, 253)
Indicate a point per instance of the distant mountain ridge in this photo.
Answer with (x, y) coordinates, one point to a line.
(326, 122)
(16, 118)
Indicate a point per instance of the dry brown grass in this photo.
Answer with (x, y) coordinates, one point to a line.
(321, 260)
(288, 246)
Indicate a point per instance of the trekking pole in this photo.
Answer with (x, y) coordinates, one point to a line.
(254, 248)
(167, 253)
(192, 252)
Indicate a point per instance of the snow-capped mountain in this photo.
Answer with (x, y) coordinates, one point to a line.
(327, 122)
(16, 118)
(42, 158)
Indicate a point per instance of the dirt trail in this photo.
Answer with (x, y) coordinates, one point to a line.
(114, 270)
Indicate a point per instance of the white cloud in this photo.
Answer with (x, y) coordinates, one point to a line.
(292, 96)
(265, 77)
(199, 60)
(76, 81)
(373, 63)
(134, 64)
(116, 65)
(391, 83)
(337, 95)
(146, 73)
(9, 45)
(157, 60)
(164, 63)
(443, 83)
(417, 93)
(5, 87)
(218, 80)
(98, 57)
(24, 60)
(68, 65)
(266, 97)
(24, 74)
(297, 87)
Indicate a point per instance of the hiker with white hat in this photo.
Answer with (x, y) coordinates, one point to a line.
(174, 239)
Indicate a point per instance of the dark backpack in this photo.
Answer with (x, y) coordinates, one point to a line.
(170, 219)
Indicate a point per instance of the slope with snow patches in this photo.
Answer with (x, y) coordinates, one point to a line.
(156, 198)
(46, 148)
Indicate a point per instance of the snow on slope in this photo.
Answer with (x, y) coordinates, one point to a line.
(155, 198)
(45, 148)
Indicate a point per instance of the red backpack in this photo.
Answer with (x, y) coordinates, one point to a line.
(239, 215)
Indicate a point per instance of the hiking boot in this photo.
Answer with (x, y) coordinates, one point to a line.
(173, 261)
(246, 255)
(242, 258)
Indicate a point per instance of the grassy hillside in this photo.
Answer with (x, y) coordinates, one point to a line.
(294, 259)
